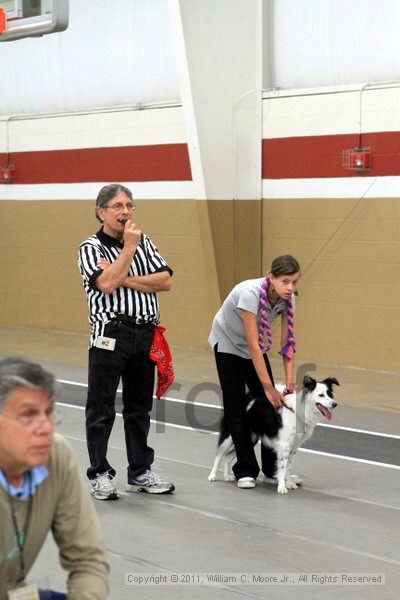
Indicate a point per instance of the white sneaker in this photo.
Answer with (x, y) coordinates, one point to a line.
(246, 482)
(103, 487)
(294, 478)
(149, 482)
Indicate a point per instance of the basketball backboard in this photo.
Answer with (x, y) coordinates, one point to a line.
(29, 18)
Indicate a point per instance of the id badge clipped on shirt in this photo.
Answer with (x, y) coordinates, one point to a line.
(24, 592)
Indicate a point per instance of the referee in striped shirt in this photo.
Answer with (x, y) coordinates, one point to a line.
(121, 270)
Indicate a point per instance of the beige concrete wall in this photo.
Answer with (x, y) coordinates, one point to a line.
(236, 234)
(41, 286)
(349, 250)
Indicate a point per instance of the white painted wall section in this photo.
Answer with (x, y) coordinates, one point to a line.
(218, 47)
(332, 110)
(94, 130)
(114, 53)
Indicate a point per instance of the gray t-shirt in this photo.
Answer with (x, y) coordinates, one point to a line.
(228, 330)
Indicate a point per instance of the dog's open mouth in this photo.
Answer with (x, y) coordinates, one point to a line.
(325, 411)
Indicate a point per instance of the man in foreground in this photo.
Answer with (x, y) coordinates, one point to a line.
(41, 490)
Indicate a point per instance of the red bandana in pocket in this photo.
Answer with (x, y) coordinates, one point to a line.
(161, 355)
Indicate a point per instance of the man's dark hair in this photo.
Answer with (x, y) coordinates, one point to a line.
(108, 192)
(284, 265)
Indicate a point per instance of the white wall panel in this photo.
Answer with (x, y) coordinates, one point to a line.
(331, 111)
(110, 129)
(143, 190)
(121, 52)
(380, 109)
(310, 112)
(4, 136)
(113, 53)
(333, 42)
(219, 48)
(333, 187)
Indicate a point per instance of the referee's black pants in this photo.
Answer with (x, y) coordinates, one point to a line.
(234, 374)
(129, 361)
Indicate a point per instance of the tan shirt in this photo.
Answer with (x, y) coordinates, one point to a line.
(62, 504)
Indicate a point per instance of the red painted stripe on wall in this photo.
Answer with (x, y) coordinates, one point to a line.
(282, 158)
(164, 162)
(322, 156)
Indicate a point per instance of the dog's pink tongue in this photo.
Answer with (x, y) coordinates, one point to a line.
(327, 414)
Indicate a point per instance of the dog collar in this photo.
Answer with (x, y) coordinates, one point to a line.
(284, 405)
(285, 393)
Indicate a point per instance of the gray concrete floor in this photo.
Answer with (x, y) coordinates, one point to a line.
(345, 518)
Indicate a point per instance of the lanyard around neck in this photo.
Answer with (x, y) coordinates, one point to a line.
(21, 535)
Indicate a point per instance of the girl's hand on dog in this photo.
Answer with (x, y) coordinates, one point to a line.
(273, 396)
(290, 389)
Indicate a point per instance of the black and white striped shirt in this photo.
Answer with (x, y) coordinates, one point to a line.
(104, 307)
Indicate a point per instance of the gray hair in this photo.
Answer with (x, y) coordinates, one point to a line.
(107, 193)
(17, 372)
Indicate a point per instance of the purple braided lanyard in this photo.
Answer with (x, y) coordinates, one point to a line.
(265, 333)
(265, 326)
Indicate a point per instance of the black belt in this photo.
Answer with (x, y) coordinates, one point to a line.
(135, 321)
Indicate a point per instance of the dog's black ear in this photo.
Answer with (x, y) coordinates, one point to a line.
(309, 383)
(330, 381)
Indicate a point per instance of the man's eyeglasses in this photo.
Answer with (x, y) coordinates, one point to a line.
(120, 206)
(33, 419)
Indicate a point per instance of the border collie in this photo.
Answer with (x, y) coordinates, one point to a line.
(284, 433)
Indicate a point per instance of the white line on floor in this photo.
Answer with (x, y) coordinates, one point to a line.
(167, 398)
(366, 431)
(307, 450)
(215, 406)
(351, 458)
